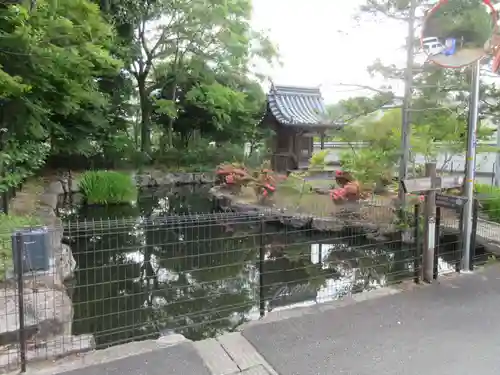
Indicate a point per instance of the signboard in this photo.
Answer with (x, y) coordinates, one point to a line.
(450, 201)
(426, 183)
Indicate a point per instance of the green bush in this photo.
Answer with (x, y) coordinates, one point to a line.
(203, 157)
(318, 160)
(8, 224)
(489, 198)
(107, 187)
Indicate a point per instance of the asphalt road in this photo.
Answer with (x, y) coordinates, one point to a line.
(448, 328)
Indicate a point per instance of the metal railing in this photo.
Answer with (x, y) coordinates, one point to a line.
(198, 275)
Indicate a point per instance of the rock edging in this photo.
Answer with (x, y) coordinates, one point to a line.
(158, 178)
(347, 221)
(48, 307)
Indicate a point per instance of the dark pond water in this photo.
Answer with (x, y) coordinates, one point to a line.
(140, 276)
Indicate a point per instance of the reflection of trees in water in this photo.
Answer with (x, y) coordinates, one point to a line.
(289, 274)
(108, 299)
(364, 265)
(213, 288)
(198, 276)
(149, 275)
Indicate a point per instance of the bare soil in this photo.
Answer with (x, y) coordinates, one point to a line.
(26, 201)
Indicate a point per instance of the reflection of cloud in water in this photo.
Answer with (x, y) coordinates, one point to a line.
(338, 287)
(162, 274)
(162, 206)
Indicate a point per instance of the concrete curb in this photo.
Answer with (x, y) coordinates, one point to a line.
(96, 357)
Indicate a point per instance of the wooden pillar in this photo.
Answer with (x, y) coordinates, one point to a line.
(322, 137)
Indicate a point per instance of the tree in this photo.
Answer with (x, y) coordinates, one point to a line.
(52, 58)
(348, 110)
(167, 34)
(440, 87)
(215, 105)
(432, 133)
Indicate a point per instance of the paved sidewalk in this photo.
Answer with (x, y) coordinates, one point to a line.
(451, 327)
(448, 328)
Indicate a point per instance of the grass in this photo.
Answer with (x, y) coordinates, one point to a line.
(8, 224)
(489, 197)
(107, 187)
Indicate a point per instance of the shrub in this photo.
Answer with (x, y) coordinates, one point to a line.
(8, 224)
(318, 160)
(107, 187)
(489, 198)
(203, 156)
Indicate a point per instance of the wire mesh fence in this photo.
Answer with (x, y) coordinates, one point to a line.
(198, 275)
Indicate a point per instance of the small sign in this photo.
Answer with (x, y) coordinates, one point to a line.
(426, 183)
(450, 201)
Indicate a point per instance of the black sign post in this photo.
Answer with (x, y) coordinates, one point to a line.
(456, 204)
(430, 185)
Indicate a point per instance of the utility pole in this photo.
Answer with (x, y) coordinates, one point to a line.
(405, 125)
(470, 164)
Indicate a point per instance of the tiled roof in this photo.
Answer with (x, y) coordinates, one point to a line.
(298, 106)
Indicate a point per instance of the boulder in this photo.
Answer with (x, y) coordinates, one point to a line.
(49, 199)
(55, 187)
(66, 263)
(48, 312)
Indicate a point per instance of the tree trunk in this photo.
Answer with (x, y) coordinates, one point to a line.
(145, 116)
(170, 130)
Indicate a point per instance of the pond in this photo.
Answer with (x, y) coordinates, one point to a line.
(143, 273)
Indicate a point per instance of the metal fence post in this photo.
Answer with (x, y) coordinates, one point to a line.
(459, 248)
(437, 241)
(262, 253)
(472, 252)
(418, 246)
(20, 291)
(430, 224)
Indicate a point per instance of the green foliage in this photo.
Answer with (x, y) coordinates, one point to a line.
(107, 187)
(202, 156)
(296, 185)
(432, 132)
(20, 161)
(377, 161)
(467, 19)
(8, 224)
(489, 199)
(318, 160)
(218, 32)
(349, 110)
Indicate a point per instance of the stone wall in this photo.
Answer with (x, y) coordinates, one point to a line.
(48, 309)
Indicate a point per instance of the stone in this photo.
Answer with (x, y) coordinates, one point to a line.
(332, 224)
(55, 187)
(75, 185)
(205, 178)
(66, 263)
(50, 310)
(298, 222)
(49, 199)
(57, 347)
(143, 180)
(185, 178)
(167, 179)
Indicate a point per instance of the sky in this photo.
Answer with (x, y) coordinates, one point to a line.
(321, 44)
